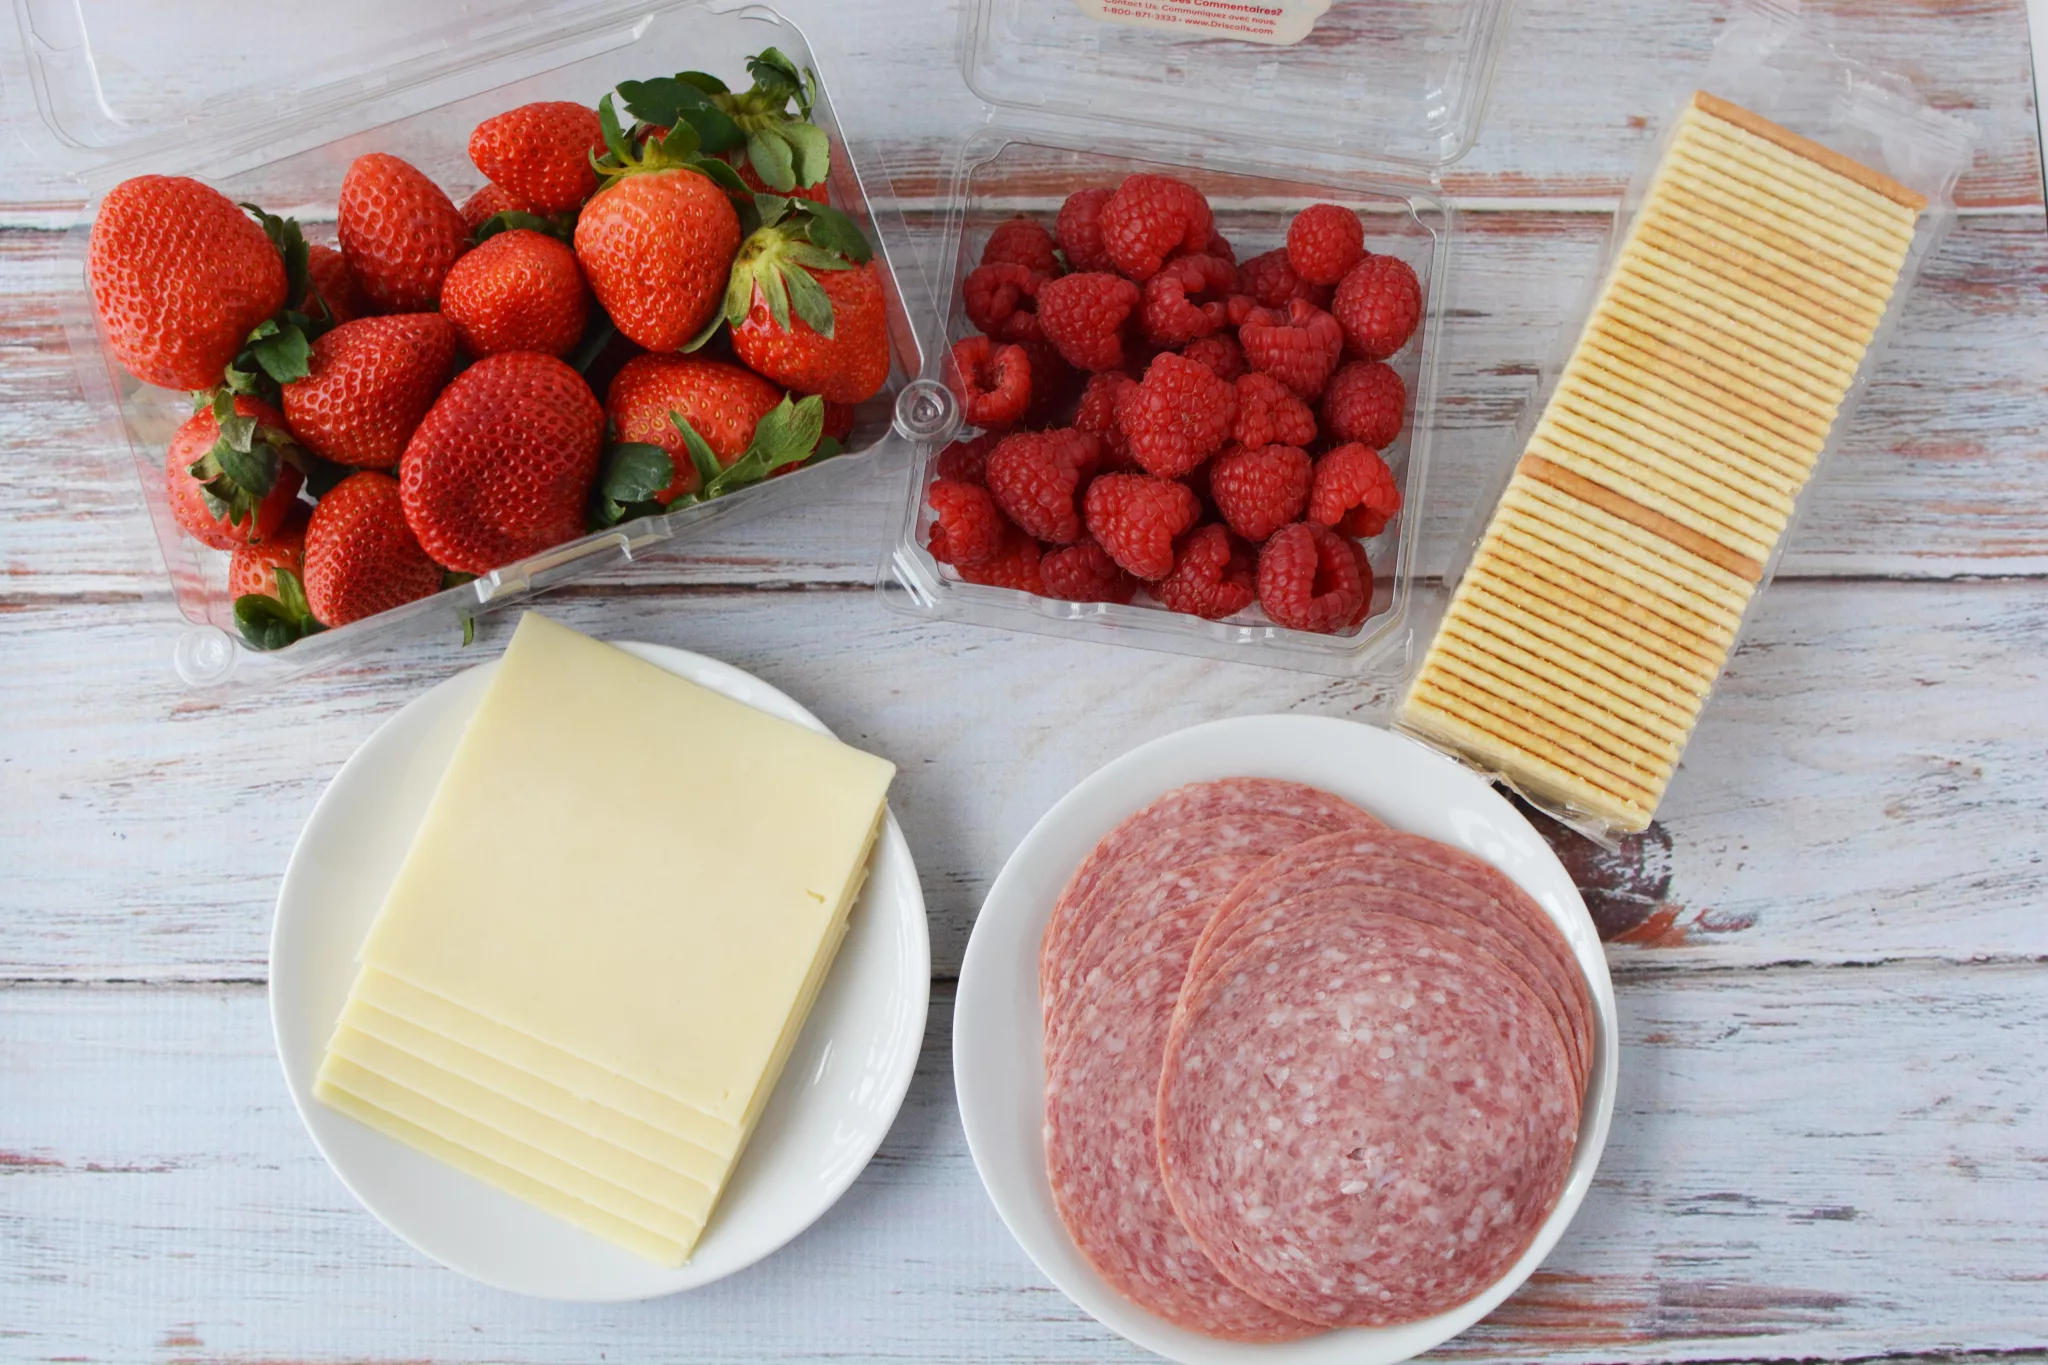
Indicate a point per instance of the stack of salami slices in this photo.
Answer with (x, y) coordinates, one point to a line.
(1303, 1071)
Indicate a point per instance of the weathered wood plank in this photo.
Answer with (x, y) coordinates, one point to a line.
(1867, 783)
(1938, 474)
(1786, 1178)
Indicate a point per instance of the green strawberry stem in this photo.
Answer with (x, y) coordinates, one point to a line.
(273, 622)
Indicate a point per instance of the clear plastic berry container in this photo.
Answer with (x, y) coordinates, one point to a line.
(412, 81)
(1357, 102)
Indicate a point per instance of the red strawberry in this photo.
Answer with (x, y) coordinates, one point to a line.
(1323, 242)
(1310, 579)
(486, 204)
(1084, 572)
(179, 277)
(1024, 242)
(1354, 491)
(369, 383)
(539, 154)
(839, 419)
(1299, 348)
(1188, 298)
(502, 464)
(994, 381)
(361, 556)
(657, 242)
(1260, 490)
(399, 232)
(1084, 316)
(1269, 412)
(517, 291)
(1365, 402)
(1137, 517)
(1176, 417)
(722, 403)
(805, 304)
(1036, 477)
(1378, 304)
(232, 489)
(1271, 282)
(1152, 217)
(1220, 353)
(1079, 230)
(253, 569)
(338, 293)
(1213, 575)
(1001, 300)
(971, 528)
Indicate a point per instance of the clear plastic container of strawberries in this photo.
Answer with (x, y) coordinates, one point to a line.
(1196, 270)
(536, 301)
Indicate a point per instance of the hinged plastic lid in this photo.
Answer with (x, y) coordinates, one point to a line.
(1396, 82)
(106, 80)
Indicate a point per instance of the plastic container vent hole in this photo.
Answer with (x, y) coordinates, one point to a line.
(927, 411)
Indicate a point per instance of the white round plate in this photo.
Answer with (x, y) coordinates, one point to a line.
(999, 1038)
(838, 1094)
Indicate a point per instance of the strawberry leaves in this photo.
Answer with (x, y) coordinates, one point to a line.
(678, 150)
(635, 472)
(667, 101)
(560, 226)
(786, 150)
(796, 237)
(273, 622)
(280, 348)
(241, 467)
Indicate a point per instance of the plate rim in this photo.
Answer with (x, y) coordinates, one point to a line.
(900, 1078)
(1139, 1326)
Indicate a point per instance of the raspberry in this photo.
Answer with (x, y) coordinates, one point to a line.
(1053, 383)
(1021, 242)
(1354, 491)
(1378, 305)
(1272, 283)
(1364, 403)
(1079, 229)
(1299, 348)
(1001, 300)
(1084, 572)
(1261, 489)
(1365, 581)
(1152, 217)
(1018, 567)
(1036, 477)
(994, 381)
(1136, 518)
(1212, 576)
(1309, 579)
(1323, 242)
(1084, 316)
(1268, 411)
(1188, 298)
(1221, 353)
(1097, 413)
(966, 461)
(1219, 246)
(970, 527)
(1176, 416)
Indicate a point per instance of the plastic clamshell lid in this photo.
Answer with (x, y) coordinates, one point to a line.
(103, 73)
(1398, 82)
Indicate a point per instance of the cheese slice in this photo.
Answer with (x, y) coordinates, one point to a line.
(635, 869)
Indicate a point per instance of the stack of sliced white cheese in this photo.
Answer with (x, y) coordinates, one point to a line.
(605, 939)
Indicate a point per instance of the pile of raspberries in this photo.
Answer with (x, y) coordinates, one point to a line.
(1155, 415)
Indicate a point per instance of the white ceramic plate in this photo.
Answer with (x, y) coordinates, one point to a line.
(837, 1097)
(998, 1036)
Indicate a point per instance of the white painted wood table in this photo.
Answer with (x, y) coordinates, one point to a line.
(1831, 953)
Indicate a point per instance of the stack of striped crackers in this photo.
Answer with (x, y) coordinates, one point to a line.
(1602, 601)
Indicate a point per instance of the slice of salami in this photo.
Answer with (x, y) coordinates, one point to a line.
(1362, 1121)
(1371, 897)
(1197, 801)
(1166, 896)
(1102, 1162)
(1419, 890)
(1326, 861)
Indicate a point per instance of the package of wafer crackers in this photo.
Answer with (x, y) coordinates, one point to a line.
(1760, 257)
